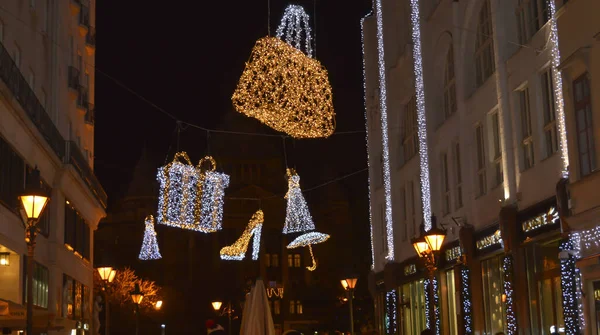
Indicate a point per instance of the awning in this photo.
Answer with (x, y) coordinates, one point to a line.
(13, 315)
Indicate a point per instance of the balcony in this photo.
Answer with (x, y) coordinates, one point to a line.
(75, 158)
(84, 20)
(73, 81)
(18, 86)
(89, 117)
(82, 100)
(75, 6)
(90, 41)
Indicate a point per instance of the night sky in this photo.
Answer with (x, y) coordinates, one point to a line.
(186, 57)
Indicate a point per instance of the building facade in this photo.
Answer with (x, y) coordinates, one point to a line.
(47, 52)
(482, 112)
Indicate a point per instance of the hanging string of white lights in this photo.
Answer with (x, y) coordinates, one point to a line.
(387, 183)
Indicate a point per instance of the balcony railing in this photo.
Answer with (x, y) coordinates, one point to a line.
(82, 98)
(90, 38)
(81, 165)
(84, 16)
(89, 117)
(13, 78)
(73, 78)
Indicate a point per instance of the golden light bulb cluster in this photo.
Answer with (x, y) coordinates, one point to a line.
(237, 251)
(191, 197)
(286, 90)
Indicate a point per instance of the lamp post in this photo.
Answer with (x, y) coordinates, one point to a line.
(137, 295)
(427, 246)
(33, 201)
(107, 274)
(349, 284)
(227, 310)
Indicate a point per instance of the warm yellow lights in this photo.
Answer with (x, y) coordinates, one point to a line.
(435, 238)
(237, 251)
(421, 246)
(4, 258)
(137, 295)
(33, 205)
(158, 304)
(105, 272)
(217, 305)
(286, 90)
(349, 283)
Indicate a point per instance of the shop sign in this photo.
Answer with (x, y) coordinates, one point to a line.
(548, 218)
(410, 269)
(453, 253)
(487, 241)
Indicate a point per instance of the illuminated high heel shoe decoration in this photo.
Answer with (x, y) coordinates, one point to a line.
(237, 251)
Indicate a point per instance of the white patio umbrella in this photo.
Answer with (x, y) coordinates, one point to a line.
(257, 319)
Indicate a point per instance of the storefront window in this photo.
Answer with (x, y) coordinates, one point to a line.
(545, 294)
(493, 290)
(451, 302)
(412, 307)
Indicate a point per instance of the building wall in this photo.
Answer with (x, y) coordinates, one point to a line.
(519, 60)
(36, 35)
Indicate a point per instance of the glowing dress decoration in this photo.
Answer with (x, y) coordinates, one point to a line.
(237, 251)
(150, 244)
(284, 87)
(299, 220)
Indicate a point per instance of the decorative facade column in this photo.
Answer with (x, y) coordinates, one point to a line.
(513, 259)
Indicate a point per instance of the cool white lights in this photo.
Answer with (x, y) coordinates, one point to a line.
(387, 184)
(149, 245)
(362, 39)
(237, 251)
(568, 276)
(297, 218)
(294, 17)
(558, 90)
(511, 320)
(421, 118)
(466, 299)
(391, 300)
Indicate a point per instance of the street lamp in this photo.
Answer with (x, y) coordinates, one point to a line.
(227, 310)
(427, 247)
(158, 305)
(349, 284)
(107, 274)
(137, 295)
(33, 201)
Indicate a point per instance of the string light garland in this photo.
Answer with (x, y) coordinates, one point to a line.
(364, 69)
(511, 320)
(291, 23)
(428, 316)
(391, 299)
(421, 116)
(436, 304)
(285, 88)
(149, 249)
(297, 218)
(237, 251)
(312, 267)
(568, 283)
(558, 90)
(387, 179)
(465, 281)
(177, 198)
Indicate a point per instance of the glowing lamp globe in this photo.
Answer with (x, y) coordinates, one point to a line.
(349, 283)
(137, 295)
(158, 304)
(435, 238)
(217, 305)
(105, 272)
(112, 275)
(34, 198)
(421, 246)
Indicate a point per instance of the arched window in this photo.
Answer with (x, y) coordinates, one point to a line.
(449, 85)
(484, 46)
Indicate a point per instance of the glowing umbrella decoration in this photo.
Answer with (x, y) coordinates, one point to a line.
(307, 240)
(285, 88)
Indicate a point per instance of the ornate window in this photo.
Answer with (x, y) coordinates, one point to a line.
(484, 46)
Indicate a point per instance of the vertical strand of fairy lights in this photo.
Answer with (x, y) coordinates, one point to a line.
(421, 118)
(362, 40)
(558, 90)
(428, 315)
(568, 283)
(465, 285)
(384, 132)
(511, 320)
